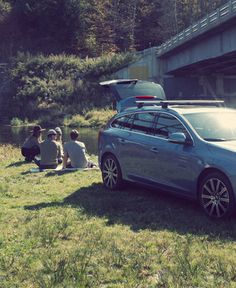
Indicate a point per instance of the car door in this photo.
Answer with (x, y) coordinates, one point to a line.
(120, 140)
(138, 148)
(178, 164)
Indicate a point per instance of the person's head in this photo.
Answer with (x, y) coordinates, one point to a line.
(37, 130)
(52, 134)
(59, 133)
(74, 134)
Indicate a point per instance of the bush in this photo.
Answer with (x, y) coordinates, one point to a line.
(18, 122)
(76, 121)
(64, 81)
(93, 118)
(98, 117)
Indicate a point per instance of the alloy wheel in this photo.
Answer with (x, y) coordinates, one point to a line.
(111, 173)
(215, 197)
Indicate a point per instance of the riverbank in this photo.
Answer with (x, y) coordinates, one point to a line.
(94, 118)
(66, 230)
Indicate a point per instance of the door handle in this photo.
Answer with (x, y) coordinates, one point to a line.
(154, 149)
(122, 141)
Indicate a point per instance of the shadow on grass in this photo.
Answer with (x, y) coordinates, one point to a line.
(48, 173)
(18, 163)
(140, 208)
(59, 172)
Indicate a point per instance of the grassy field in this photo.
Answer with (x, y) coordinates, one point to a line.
(66, 230)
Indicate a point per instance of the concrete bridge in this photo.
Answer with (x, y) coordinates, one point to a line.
(198, 62)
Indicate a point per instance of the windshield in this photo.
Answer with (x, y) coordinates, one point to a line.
(214, 126)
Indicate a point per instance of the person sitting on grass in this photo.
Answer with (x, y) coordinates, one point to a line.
(30, 147)
(75, 153)
(50, 152)
(59, 139)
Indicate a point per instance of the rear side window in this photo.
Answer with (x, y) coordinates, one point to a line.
(167, 124)
(123, 122)
(144, 122)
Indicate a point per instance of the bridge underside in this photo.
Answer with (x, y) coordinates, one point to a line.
(203, 67)
(213, 75)
(211, 78)
(225, 64)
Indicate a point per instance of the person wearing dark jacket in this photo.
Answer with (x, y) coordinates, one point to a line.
(30, 147)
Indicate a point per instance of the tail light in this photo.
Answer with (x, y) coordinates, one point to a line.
(144, 97)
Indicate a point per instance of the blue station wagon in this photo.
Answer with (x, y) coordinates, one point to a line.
(186, 147)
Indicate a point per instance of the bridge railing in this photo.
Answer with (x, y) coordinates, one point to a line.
(223, 13)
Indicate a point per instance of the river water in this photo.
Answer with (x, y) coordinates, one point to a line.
(17, 135)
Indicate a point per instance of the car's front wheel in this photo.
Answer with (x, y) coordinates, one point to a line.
(111, 172)
(216, 195)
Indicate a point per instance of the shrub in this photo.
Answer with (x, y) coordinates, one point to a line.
(64, 81)
(98, 117)
(93, 118)
(76, 121)
(15, 121)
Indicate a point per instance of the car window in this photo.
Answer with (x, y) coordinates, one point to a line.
(167, 124)
(144, 122)
(132, 89)
(123, 122)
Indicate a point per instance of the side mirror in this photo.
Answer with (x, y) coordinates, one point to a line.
(178, 138)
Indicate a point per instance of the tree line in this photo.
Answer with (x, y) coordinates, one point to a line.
(91, 28)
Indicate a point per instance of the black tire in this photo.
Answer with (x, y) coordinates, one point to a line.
(216, 195)
(111, 173)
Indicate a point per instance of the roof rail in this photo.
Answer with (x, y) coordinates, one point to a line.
(166, 103)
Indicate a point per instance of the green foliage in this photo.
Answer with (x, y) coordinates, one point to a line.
(93, 118)
(5, 9)
(97, 118)
(148, 27)
(61, 82)
(76, 121)
(94, 27)
(15, 121)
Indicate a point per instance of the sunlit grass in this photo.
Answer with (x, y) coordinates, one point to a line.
(93, 118)
(66, 230)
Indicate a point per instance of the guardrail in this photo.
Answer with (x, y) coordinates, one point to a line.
(224, 12)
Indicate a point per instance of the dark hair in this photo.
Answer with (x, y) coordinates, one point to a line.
(74, 134)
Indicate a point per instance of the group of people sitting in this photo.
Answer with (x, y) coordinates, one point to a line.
(51, 152)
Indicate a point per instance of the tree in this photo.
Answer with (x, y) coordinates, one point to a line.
(124, 17)
(5, 9)
(179, 14)
(98, 33)
(148, 24)
(48, 26)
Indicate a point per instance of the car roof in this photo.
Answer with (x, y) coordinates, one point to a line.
(199, 109)
(180, 109)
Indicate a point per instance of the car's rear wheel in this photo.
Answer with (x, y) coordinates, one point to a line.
(216, 195)
(111, 172)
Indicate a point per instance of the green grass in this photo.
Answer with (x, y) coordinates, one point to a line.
(66, 230)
